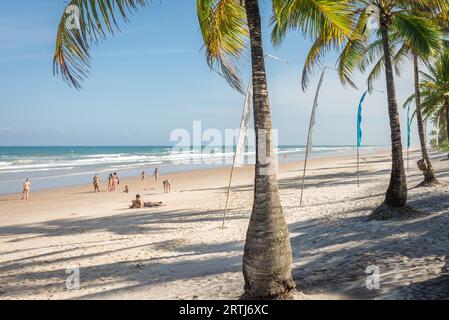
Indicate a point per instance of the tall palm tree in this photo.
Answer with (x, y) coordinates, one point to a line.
(267, 259)
(226, 26)
(417, 37)
(396, 19)
(435, 91)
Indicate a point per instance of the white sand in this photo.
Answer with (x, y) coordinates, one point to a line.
(180, 252)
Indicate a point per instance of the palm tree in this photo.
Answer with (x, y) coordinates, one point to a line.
(396, 21)
(435, 91)
(267, 256)
(226, 25)
(416, 38)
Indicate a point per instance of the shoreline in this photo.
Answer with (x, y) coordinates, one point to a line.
(185, 170)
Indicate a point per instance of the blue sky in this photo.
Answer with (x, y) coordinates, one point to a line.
(152, 78)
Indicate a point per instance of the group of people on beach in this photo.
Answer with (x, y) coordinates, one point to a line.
(138, 202)
(167, 183)
(113, 183)
(155, 175)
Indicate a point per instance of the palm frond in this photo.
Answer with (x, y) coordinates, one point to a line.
(421, 35)
(83, 23)
(314, 18)
(225, 33)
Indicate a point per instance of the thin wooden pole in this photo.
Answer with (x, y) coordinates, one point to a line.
(229, 190)
(408, 159)
(304, 175)
(247, 100)
(358, 166)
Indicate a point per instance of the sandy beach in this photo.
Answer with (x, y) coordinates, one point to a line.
(179, 251)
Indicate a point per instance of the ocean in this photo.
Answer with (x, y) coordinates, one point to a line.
(53, 167)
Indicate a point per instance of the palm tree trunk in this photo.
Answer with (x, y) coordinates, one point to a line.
(396, 195)
(267, 259)
(447, 118)
(428, 171)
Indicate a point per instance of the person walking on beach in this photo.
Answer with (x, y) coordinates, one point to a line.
(117, 179)
(156, 174)
(96, 182)
(26, 189)
(142, 175)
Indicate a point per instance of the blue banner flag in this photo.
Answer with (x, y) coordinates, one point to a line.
(359, 120)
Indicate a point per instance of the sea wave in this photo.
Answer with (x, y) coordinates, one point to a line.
(123, 160)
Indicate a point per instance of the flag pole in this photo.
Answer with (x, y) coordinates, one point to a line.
(304, 175)
(358, 167)
(359, 134)
(248, 98)
(408, 138)
(408, 159)
(229, 190)
(309, 135)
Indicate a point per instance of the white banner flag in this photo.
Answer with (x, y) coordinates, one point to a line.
(310, 134)
(243, 132)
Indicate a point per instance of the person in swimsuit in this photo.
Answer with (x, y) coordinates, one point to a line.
(111, 177)
(167, 185)
(96, 181)
(142, 175)
(26, 189)
(138, 203)
(156, 174)
(115, 181)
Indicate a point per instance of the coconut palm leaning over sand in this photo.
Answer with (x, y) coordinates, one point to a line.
(225, 24)
(267, 257)
(399, 20)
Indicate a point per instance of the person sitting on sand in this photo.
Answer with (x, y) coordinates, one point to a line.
(26, 189)
(126, 189)
(167, 185)
(138, 203)
(96, 181)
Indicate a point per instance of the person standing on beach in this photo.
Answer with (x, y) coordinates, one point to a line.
(115, 181)
(156, 174)
(96, 181)
(167, 185)
(142, 175)
(110, 182)
(26, 189)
